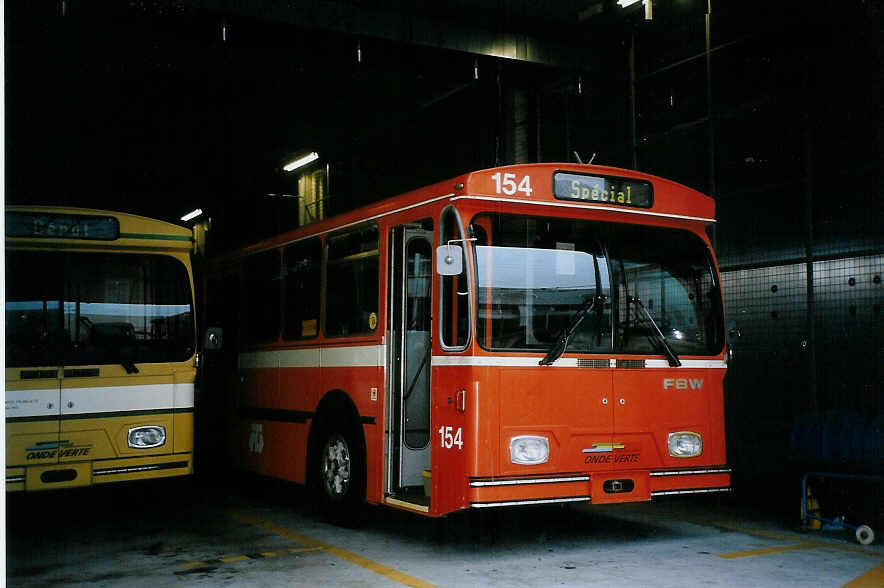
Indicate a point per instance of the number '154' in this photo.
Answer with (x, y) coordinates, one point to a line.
(509, 184)
(449, 437)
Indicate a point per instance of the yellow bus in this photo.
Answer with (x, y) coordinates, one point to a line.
(100, 348)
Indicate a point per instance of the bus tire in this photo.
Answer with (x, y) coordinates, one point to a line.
(338, 471)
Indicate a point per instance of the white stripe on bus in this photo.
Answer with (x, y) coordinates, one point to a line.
(354, 356)
(31, 403)
(97, 399)
(374, 356)
(94, 400)
(509, 361)
(496, 361)
(363, 356)
(688, 363)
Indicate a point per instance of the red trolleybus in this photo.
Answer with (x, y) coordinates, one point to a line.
(528, 334)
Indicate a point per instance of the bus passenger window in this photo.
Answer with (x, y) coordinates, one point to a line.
(351, 291)
(301, 297)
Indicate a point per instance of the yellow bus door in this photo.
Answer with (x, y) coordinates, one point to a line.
(34, 337)
(32, 411)
(102, 406)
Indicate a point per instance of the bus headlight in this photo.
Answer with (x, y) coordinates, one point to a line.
(685, 444)
(147, 437)
(529, 449)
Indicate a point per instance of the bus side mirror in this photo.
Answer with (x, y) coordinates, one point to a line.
(214, 336)
(449, 260)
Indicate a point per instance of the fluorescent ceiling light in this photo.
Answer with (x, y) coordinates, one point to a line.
(625, 3)
(192, 214)
(301, 161)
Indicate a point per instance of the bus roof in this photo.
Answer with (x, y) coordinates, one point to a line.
(555, 180)
(670, 199)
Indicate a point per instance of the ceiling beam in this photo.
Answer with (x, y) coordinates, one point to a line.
(341, 16)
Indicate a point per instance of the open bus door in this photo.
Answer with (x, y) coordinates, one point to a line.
(410, 353)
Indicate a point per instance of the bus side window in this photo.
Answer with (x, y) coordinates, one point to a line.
(479, 230)
(352, 284)
(454, 296)
(301, 289)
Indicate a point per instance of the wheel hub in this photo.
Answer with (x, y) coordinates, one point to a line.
(336, 466)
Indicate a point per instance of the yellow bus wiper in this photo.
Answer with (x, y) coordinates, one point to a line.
(561, 343)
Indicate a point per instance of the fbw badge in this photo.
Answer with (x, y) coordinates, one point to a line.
(256, 439)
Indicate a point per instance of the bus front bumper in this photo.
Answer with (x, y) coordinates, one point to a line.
(71, 475)
(598, 487)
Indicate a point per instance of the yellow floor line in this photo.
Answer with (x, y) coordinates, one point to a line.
(874, 578)
(303, 549)
(235, 558)
(802, 540)
(270, 553)
(351, 557)
(767, 550)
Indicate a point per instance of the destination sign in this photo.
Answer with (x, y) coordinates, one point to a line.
(603, 189)
(61, 226)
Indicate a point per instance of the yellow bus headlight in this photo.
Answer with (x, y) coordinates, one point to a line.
(147, 437)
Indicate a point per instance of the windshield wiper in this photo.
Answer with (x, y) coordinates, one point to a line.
(561, 343)
(667, 350)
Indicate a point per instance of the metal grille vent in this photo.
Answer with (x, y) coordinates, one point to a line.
(593, 363)
(631, 364)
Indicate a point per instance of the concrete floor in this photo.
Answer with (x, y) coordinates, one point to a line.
(263, 533)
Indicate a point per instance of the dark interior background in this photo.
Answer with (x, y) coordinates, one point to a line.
(773, 108)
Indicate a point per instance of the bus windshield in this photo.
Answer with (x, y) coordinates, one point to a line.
(534, 274)
(96, 308)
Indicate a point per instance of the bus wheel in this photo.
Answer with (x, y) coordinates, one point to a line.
(339, 477)
(336, 468)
